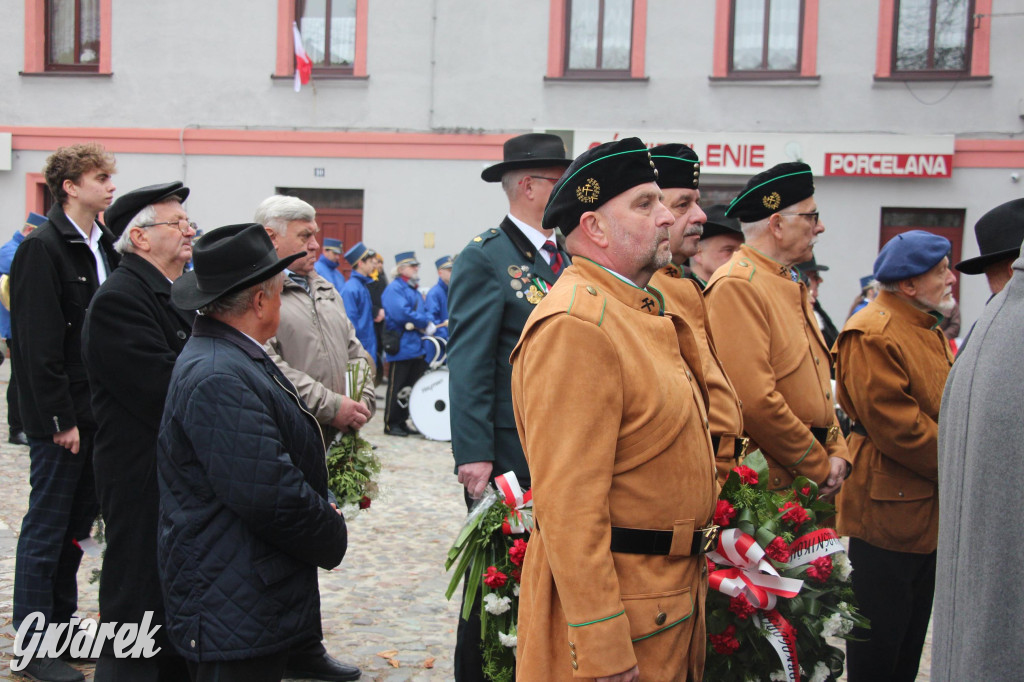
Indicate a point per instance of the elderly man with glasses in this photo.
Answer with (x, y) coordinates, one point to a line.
(767, 335)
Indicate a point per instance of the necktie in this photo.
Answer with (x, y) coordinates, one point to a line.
(300, 280)
(556, 257)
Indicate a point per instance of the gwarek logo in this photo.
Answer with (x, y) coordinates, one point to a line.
(82, 638)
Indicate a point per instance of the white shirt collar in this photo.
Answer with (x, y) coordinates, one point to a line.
(93, 241)
(535, 236)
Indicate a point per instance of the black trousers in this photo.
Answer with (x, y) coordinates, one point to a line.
(469, 662)
(262, 669)
(169, 668)
(404, 373)
(13, 406)
(894, 590)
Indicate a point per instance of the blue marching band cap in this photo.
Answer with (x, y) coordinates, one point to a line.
(866, 281)
(34, 219)
(332, 245)
(356, 253)
(406, 258)
(443, 262)
(910, 254)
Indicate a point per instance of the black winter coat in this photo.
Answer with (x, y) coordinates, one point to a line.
(53, 278)
(244, 517)
(132, 336)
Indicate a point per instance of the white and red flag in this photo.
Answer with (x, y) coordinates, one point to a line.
(303, 64)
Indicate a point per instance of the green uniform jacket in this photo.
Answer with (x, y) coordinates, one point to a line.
(487, 313)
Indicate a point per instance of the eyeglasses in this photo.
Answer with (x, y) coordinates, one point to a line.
(177, 224)
(813, 215)
(541, 177)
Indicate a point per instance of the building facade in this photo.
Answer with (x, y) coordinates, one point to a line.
(910, 112)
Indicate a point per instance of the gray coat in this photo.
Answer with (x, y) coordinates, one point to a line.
(979, 585)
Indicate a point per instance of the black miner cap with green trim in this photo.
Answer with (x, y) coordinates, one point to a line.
(594, 178)
(678, 166)
(771, 191)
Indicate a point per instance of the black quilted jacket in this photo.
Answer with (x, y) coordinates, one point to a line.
(244, 517)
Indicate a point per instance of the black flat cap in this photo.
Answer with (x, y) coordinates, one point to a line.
(595, 177)
(127, 206)
(811, 266)
(999, 233)
(717, 223)
(772, 190)
(226, 260)
(678, 166)
(532, 150)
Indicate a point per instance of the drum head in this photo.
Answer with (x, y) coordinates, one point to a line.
(429, 407)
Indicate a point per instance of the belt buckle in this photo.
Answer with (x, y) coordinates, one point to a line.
(709, 538)
(741, 446)
(833, 434)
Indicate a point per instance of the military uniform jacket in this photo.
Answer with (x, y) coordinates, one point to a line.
(725, 413)
(892, 362)
(771, 348)
(610, 403)
(486, 316)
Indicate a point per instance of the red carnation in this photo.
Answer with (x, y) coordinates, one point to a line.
(778, 550)
(517, 575)
(747, 475)
(711, 565)
(794, 513)
(365, 502)
(820, 569)
(724, 513)
(726, 643)
(806, 491)
(517, 552)
(742, 607)
(494, 578)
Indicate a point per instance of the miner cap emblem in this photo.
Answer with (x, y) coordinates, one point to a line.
(589, 191)
(772, 201)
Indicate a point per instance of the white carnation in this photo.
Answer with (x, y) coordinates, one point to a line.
(836, 626)
(821, 672)
(779, 676)
(845, 608)
(507, 640)
(841, 566)
(496, 605)
(515, 590)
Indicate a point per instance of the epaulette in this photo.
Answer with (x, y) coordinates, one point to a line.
(484, 236)
(743, 268)
(870, 319)
(587, 302)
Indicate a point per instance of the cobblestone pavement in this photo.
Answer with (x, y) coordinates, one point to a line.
(388, 593)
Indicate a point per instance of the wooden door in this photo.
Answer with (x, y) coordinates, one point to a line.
(945, 222)
(345, 224)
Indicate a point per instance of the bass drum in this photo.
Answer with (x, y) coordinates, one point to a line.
(429, 406)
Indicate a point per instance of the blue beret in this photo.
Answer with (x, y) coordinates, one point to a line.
(910, 254)
(406, 258)
(678, 166)
(443, 262)
(332, 245)
(356, 253)
(771, 191)
(34, 219)
(595, 177)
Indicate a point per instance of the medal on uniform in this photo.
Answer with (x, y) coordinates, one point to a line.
(515, 271)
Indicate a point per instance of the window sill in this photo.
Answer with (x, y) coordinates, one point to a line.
(773, 81)
(931, 78)
(72, 74)
(322, 77)
(596, 79)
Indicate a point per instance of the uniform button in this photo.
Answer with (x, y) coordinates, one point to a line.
(572, 645)
(828, 395)
(573, 654)
(193, 644)
(592, 291)
(900, 493)
(689, 375)
(575, 665)
(776, 481)
(660, 618)
(817, 361)
(705, 423)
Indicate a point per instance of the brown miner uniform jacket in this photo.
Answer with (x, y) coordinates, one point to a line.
(725, 414)
(892, 361)
(769, 343)
(611, 407)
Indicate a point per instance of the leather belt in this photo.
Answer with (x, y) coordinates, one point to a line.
(739, 445)
(642, 541)
(826, 435)
(857, 428)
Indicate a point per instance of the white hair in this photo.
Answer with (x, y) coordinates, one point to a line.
(144, 217)
(753, 229)
(277, 211)
(235, 304)
(510, 182)
(890, 286)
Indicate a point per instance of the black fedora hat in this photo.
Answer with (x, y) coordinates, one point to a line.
(532, 150)
(226, 260)
(127, 206)
(999, 233)
(717, 223)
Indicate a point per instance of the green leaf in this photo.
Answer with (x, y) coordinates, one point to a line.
(756, 461)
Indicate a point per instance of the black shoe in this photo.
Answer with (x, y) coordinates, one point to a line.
(18, 438)
(320, 668)
(52, 670)
(396, 431)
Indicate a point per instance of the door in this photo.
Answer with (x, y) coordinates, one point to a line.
(345, 224)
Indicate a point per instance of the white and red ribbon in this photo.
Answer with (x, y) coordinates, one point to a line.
(512, 495)
(807, 548)
(782, 637)
(751, 573)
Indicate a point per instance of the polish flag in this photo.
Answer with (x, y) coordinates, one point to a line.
(303, 65)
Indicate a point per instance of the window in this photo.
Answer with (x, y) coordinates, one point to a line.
(328, 30)
(933, 39)
(67, 37)
(766, 35)
(765, 39)
(932, 35)
(597, 39)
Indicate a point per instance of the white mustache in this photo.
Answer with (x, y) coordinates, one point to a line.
(697, 230)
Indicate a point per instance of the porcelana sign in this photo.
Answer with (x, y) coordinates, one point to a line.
(883, 156)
